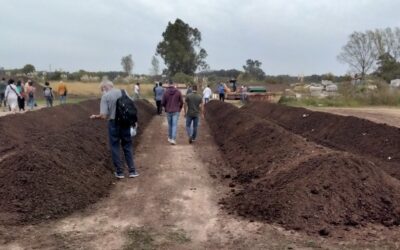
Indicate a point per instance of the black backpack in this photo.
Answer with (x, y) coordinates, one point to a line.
(126, 112)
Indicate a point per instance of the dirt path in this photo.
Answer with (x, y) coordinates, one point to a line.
(390, 116)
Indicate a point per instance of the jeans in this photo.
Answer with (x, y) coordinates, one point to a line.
(192, 131)
(206, 100)
(172, 118)
(222, 97)
(120, 135)
(159, 107)
(49, 101)
(31, 102)
(63, 99)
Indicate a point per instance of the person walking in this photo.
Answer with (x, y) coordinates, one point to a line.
(118, 134)
(62, 92)
(159, 93)
(154, 90)
(193, 108)
(48, 94)
(221, 92)
(11, 96)
(30, 92)
(207, 93)
(21, 95)
(136, 91)
(3, 86)
(172, 102)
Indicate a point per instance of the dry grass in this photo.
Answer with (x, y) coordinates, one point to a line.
(92, 89)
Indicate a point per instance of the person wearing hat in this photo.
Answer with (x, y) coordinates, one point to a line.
(172, 101)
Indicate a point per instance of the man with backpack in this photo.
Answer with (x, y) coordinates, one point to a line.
(48, 94)
(120, 111)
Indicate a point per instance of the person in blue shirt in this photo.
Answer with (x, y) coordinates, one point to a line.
(221, 91)
(159, 92)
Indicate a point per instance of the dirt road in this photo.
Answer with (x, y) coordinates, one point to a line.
(390, 116)
(173, 204)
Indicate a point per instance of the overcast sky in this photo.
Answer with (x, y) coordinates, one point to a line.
(288, 37)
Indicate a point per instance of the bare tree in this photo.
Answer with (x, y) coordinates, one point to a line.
(386, 41)
(155, 66)
(127, 64)
(359, 53)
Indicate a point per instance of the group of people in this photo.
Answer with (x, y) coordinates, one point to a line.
(15, 95)
(221, 90)
(170, 99)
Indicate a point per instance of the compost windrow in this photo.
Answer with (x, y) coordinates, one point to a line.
(280, 177)
(55, 161)
(378, 142)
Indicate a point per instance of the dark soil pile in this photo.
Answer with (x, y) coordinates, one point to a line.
(55, 161)
(282, 178)
(346, 133)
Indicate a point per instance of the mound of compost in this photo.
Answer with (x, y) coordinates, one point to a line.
(55, 161)
(347, 133)
(283, 178)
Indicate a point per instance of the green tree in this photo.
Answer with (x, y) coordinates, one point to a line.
(180, 49)
(127, 64)
(252, 70)
(388, 67)
(28, 68)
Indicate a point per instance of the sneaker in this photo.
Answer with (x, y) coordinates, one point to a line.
(173, 142)
(193, 139)
(169, 140)
(133, 175)
(119, 176)
(190, 140)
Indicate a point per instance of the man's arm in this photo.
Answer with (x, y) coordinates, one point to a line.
(202, 111)
(163, 101)
(99, 116)
(180, 100)
(185, 107)
(103, 110)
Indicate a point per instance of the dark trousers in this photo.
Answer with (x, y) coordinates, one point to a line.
(21, 103)
(49, 101)
(222, 97)
(159, 107)
(120, 136)
(2, 100)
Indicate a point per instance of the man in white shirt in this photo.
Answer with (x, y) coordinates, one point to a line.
(207, 94)
(137, 91)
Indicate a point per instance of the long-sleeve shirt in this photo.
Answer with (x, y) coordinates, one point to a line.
(172, 100)
(11, 92)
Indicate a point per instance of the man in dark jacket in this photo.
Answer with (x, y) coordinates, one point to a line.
(172, 102)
